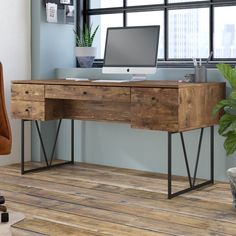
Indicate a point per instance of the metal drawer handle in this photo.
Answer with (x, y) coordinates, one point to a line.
(27, 110)
(26, 92)
(153, 98)
(84, 92)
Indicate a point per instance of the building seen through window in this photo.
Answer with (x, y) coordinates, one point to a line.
(189, 28)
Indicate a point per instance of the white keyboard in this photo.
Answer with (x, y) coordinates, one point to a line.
(109, 81)
(78, 79)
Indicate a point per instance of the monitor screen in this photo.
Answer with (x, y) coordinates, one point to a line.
(132, 46)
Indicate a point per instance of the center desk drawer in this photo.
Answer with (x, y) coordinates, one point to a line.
(88, 93)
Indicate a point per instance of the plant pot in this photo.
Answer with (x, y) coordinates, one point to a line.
(231, 173)
(85, 56)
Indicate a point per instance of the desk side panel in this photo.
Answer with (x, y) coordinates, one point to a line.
(196, 105)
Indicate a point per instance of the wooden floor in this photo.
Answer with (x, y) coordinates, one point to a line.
(96, 200)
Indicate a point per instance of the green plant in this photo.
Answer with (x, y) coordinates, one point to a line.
(85, 37)
(227, 123)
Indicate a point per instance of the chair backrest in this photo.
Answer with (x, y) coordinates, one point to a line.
(5, 130)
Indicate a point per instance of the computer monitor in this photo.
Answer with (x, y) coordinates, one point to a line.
(131, 50)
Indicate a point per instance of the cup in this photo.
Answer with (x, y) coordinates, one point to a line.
(189, 78)
(200, 74)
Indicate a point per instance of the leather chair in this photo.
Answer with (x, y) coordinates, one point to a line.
(5, 130)
(5, 139)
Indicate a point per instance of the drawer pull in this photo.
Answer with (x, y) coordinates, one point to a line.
(27, 110)
(26, 92)
(84, 92)
(153, 98)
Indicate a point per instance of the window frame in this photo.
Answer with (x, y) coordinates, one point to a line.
(84, 12)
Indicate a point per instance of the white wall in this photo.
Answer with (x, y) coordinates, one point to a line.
(15, 54)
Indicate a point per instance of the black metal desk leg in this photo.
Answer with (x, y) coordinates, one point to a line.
(72, 141)
(48, 161)
(169, 165)
(192, 180)
(22, 146)
(212, 154)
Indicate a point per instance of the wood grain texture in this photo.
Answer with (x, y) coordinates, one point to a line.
(88, 93)
(97, 111)
(142, 84)
(155, 105)
(27, 92)
(196, 105)
(96, 200)
(154, 108)
(28, 110)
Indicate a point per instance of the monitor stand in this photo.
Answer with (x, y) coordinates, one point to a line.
(138, 77)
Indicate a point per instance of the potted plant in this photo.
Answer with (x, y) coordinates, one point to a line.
(227, 123)
(84, 51)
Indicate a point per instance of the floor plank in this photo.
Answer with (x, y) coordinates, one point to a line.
(89, 199)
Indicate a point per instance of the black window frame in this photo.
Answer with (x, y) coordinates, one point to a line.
(84, 11)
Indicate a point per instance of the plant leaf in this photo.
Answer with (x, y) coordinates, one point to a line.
(221, 104)
(225, 122)
(230, 143)
(93, 35)
(229, 73)
(85, 37)
(77, 39)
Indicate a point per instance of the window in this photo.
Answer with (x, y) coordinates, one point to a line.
(225, 32)
(189, 28)
(188, 33)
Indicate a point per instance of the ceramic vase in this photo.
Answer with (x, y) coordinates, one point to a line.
(85, 56)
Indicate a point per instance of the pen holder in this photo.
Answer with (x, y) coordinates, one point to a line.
(200, 74)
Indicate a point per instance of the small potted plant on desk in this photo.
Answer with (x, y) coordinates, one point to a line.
(84, 51)
(227, 123)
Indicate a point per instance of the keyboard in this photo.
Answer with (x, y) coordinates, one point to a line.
(78, 79)
(109, 81)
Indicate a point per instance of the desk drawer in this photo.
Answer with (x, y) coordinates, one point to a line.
(28, 110)
(88, 93)
(154, 108)
(27, 92)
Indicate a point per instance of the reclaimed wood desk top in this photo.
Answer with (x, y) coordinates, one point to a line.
(145, 83)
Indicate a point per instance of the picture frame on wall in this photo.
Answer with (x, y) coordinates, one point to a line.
(65, 11)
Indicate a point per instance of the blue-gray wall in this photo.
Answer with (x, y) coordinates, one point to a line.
(106, 143)
(52, 47)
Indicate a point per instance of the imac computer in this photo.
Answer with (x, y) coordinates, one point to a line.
(131, 50)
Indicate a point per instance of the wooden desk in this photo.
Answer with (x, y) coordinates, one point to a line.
(154, 105)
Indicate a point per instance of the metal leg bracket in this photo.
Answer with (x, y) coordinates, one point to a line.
(48, 161)
(191, 180)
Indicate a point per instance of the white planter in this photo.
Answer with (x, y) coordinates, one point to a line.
(232, 179)
(85, 56)
(85, 51)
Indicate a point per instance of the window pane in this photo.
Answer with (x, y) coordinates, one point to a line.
(149, 18)
(225, 32)
(105, 3)
(175, 1)
(188, 33)
(104, 21)
(142, 2)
